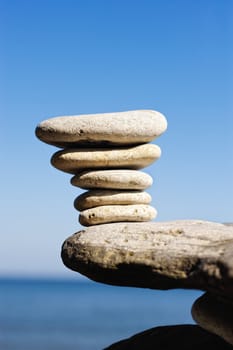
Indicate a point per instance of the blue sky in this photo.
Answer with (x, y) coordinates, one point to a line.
(69, 57)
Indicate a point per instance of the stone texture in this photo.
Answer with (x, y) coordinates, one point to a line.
(117, 213)
(74, 160)
(181, 337)
(215, 314)
(122, 128)
(113, 179)
(96, 198)
(160, 255)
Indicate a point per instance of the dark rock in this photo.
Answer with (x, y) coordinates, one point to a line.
(182, 337)
(215, 314)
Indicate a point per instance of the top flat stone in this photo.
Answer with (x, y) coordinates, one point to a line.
(121, 128)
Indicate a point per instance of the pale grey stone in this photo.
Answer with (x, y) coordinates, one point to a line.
(215, 314)
(159, 255)
(96, 198)
(113, 179)
(117, 213)
(136, 157)
(121, 128)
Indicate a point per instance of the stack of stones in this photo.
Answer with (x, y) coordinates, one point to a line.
(104, 152)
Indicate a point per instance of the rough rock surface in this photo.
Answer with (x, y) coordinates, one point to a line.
(113, 179)
(122, 128)
(215, 314)
(137, 157)
(96, 198)
(116, 213)
(159, 255)
(182, 337)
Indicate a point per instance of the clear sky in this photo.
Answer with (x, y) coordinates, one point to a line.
(64, 57)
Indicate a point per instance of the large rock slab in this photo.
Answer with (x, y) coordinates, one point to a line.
(137, 157)
(181, 337)
(122, 128)
(215, 314)
(163, 255)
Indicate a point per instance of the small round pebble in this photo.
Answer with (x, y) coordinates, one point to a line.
(117, 213)
(113, 179)
(96, 198)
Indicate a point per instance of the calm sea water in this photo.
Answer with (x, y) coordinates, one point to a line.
(63, 315)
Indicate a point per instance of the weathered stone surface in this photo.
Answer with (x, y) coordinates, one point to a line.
(181, 337)
(74, 160)
(117, 213)
(113, 179)
(122, 128)
(160, 255)
(215, 314)
(96, 198)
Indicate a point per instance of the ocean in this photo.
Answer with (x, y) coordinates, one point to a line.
(43, 314)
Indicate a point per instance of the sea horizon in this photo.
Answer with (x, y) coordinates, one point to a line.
(61, 313)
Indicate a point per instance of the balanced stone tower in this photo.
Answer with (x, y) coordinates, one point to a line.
(105, 154)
